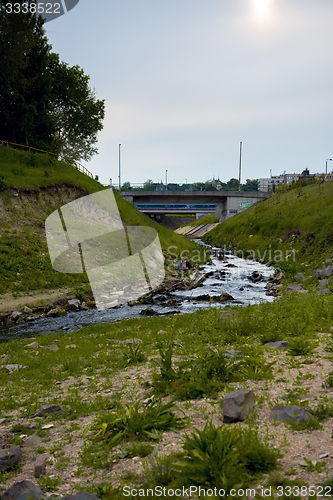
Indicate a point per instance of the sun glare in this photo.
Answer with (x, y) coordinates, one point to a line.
(262, 8)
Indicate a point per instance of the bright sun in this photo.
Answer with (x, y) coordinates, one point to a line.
(262, 8)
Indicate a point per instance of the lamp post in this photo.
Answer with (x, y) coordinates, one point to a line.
(119, 170)
(166, 180)
(327, 159)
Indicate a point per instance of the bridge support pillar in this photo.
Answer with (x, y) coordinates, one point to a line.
(221, 210)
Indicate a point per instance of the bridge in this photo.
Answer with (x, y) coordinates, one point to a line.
(223, 203)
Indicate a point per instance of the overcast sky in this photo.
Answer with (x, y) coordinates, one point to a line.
(184, 81)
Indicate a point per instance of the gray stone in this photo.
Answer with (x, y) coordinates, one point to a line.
(53, 313)
(52, 347)
(299, 276)
(149, 311)
(33, 441)
(232, 353)
(327, 271)
(27, 310)
(47, 409)
(224, 297)
(281, 344)
(74, 304)
(237, 405)
(23, 490)
(40, 465)
(33, 344)
(9, 458)
(13, 368)
(323, 291)
(82, 495)
(256, 276)
(295, 288)
(15, 315)
(290, 413)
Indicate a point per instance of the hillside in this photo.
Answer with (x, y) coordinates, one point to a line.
(31, 187)
(292, 230)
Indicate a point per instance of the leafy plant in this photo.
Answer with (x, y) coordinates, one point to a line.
(313, 466)
(300, 347)
(311, 424)
(135, 450)
(255, 368)
(165, 364)
(49, 484)
(133, 355)
(225, 457)
(139, 421)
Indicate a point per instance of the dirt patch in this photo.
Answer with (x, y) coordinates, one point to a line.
(9, 303)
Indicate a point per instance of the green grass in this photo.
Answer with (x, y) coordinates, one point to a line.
(298, 220)
(24, 259)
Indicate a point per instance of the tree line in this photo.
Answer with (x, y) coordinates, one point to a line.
(210, 185)
(44, 102)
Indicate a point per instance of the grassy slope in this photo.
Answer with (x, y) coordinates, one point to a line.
(300, 219)
(43, 187)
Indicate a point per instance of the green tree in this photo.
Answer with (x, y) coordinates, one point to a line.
(232, 185)
(251, 185)
(24, 82)
(44, 102)
(76, 113)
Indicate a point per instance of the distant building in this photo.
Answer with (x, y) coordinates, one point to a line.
(269, 183)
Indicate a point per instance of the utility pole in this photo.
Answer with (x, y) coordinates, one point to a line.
(240, 166)
(119, 170)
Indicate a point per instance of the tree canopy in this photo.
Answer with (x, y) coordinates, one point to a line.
(44, 102)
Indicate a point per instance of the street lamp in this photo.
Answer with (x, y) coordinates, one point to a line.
(166, 180)
(119, 170)
(327, 159)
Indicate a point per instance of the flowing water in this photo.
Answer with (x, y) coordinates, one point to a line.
(230, 275)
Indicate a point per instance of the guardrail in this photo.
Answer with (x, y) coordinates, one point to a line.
(74, 163)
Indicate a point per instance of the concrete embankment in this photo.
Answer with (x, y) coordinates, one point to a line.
(195, 231)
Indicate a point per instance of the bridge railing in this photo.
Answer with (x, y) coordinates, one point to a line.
(66, 159)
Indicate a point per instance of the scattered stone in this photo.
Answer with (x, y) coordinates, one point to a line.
(73, 304)
(82, 495)
(23, 490)
(33, 317)
(27, 310)
(295, 288)
(40, 465)
(149, 311)
(3, 421)
(224, 297)
(323, 291)
(290, 413)
(33, 425)
(13, 368)
(47, 426)
(130, 341)
(323, 455)
(47, 409)
(299, 276)
(281, 344)
(33, 441)
(232, 353)
(237, 405)
(9, 458)
(52, 313)
(52, 347)
(15, 315)
(202, 297)
(256, 276)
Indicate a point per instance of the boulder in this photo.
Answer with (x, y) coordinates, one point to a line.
(33, 441)
(9, 458)
(15, 315)
(27, 310)
(149, 311)
(256, 276)
(295, 288)
(237, 405)
(74, 304)
(47, 409)
(280, 344)
(224, 297)
(53, 313)
(290, 413)
(23, 490)
(40, 465)
(323, 291)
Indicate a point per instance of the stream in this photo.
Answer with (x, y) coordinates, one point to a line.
(230, 275)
